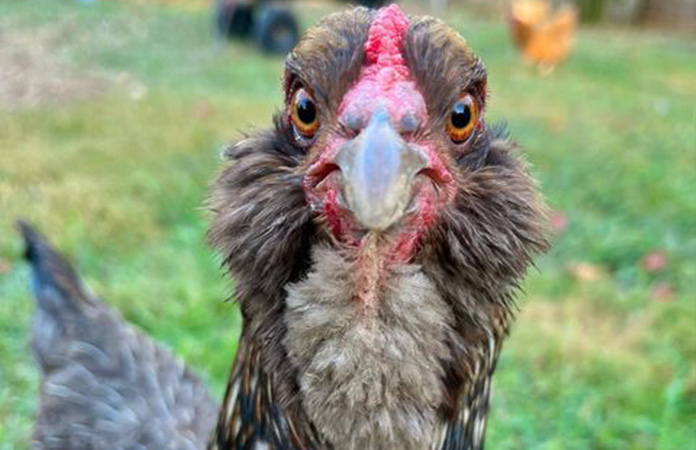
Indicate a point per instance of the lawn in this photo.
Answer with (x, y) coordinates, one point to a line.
(115, 162)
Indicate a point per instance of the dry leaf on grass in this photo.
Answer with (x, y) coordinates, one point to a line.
(203, 110)
(5, 266)
(662, 292)
(654, 261)
(586, 272)
(558, 220)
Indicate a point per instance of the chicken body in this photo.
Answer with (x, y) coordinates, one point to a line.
(377, 234)
(105, 385)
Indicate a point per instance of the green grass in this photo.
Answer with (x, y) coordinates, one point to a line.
(118, 183)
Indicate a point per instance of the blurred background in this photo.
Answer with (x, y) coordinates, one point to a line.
(113, 114)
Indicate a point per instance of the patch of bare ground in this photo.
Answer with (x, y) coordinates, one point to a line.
(32, 73)
(579, 334)
(580, 329)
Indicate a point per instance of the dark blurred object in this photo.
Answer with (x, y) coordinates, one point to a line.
(543, 35)
(371, 3)
(271, 25)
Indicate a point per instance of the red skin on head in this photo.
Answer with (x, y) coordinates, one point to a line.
(385, 82)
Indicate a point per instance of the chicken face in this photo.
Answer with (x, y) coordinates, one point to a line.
(383, 158)
(365, 176)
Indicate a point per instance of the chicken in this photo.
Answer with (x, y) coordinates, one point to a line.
(545, 38)
(104, 383)
(377, 234)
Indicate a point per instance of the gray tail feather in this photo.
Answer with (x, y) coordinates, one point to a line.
(51, 271)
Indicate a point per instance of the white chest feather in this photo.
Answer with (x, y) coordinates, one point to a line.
(369, 378)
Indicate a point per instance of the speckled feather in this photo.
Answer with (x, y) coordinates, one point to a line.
(105, 384)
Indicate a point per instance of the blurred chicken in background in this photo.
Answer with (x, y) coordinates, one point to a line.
(543, 34)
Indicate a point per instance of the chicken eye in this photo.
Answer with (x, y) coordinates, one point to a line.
(304, 114)
(462, 119)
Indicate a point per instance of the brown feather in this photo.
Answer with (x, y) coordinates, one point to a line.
(295, 283)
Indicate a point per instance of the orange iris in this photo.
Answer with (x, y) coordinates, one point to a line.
(463, 119)
(304, 114)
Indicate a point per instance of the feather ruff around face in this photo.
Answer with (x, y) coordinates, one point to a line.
(445, 312)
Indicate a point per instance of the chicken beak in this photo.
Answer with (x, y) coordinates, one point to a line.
(379, 169)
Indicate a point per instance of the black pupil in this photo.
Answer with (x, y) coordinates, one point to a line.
(461, 115)
(306, 111)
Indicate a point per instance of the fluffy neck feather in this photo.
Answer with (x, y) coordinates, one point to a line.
(369, 379)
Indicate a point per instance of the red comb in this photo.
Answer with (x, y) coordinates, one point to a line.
(385, 39)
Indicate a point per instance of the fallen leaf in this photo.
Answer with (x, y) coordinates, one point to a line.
(586, 272)
(203, 110)
(557, 123)
(654, 261)
(5, 266)
(662, 292)
(559, 221)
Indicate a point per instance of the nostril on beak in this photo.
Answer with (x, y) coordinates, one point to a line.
(378, 169)
(354, 122)
(408, 124)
